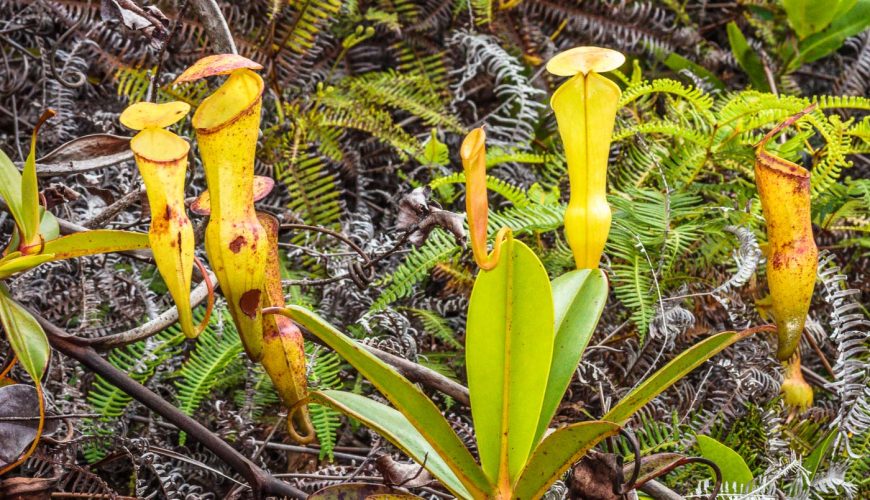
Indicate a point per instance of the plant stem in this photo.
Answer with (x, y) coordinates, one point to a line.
(261, 481)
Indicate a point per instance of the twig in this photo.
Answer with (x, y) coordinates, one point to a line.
(153, 327)
(114, 209)
(261, 481)
(219, 34)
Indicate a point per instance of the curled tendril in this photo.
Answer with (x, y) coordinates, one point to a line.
(80, 78)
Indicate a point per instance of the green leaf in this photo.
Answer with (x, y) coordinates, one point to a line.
(434, 152)
(747, 58)
(392, 425)
(30, 196)
(813, 462)
(23, 263)
(811, 16)
(25, 335)
(578, 299)
(10, 186)
(508, 351)
(733, 467)
(75, 245)
(407, 397)
(687, 361)
(817, 46)
(556, 453)
(95, 242)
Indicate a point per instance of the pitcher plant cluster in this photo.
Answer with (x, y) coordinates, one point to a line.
(525, 333)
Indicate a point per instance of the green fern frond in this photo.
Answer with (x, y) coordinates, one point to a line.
(514, 194)
(133, 85)
(352, 114)
(434, 324)
(312, 189)
(325, 371)
(662, 127)
(407, 92)
(431, 67)
(497, 156)
(140, 361)
(310, 18)
(438, 248)
(217, 347)
(699, 99)
(843, 102)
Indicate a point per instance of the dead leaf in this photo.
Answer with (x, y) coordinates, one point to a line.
(27, 488)
(400, 474)
(149, 21)
(416, 210)
(19, 400)
(86, 153)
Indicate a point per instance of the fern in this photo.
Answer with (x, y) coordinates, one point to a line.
(310, 18)
(216, 348)
(516, 195)
(434, 324)
(439, 247)
(140, 361)
(325, 369)
(312, 189)
(133, 85)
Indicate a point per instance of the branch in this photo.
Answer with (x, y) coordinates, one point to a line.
(412, 371)
(261, 481)
(215, 26)
(153, 327)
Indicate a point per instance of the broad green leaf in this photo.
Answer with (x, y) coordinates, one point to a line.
(811, 16)
(10, 186)
(405, 396)
(75, 245)
(733, 467)
(95, 242)
(508, 349)
(578, 300)
(747, 58)
(556, 453)
(30, 196)
(813, 462)
(392, 425)
(25, 335)
(20, 264)
(665, 377)
(816, 46)
(679, 63)
(434, 151)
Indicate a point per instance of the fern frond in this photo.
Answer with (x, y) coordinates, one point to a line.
(514, 194)
(217, 347)
(325, 370)
(439, 247)
(696, 97)
(312, 189)
(311, 16)
(140, 361)
(434, 324)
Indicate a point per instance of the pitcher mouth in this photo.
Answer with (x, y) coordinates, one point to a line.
(236, 98)
(782, 167)
(159, 146)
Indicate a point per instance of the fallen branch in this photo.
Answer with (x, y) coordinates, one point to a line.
(261, 482)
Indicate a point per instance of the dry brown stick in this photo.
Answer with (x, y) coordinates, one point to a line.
(153, 327)
(215, 26)
(261, 481)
